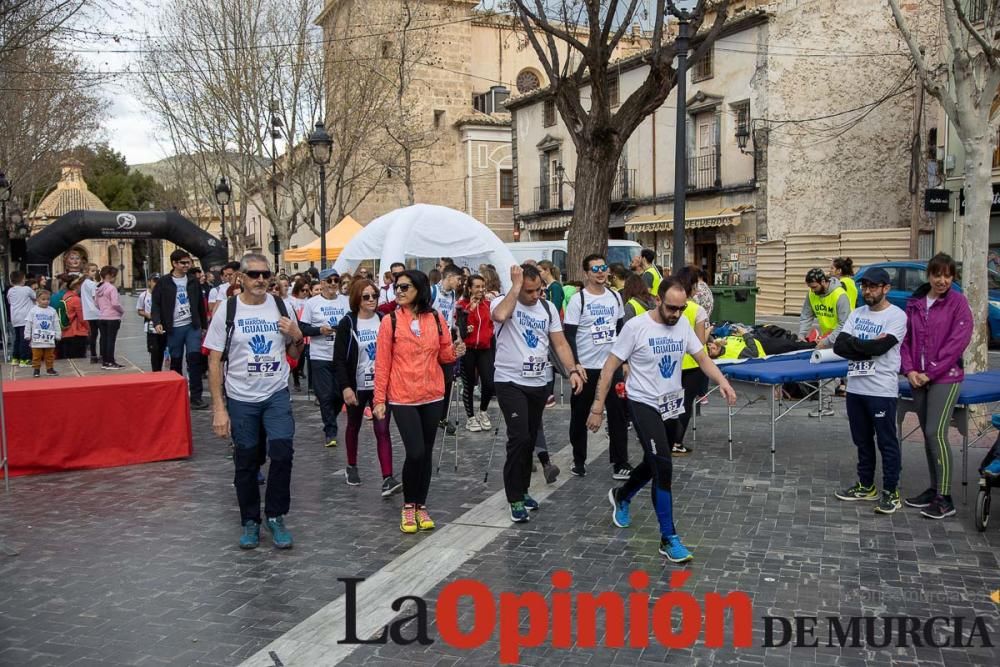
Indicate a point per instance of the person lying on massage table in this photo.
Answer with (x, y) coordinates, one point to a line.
(757, 345)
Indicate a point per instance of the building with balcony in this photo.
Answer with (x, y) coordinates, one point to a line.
(776, 144)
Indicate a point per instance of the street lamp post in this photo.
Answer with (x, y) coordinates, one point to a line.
(121, 262)
(276, 125)
(680, 159)
(223, 193)
(321, 149)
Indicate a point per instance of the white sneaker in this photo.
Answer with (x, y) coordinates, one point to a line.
(484, 421)
(473, 425)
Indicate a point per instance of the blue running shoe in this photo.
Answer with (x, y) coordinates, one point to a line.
(282, 538)
(675, 552)
(992, 471)
(530, 503)
(619, 513)
(518, 514)
(251, 535)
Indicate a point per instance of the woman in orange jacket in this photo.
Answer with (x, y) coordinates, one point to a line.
(74, 335)
(413, 342)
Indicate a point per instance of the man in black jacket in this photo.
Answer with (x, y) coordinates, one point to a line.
(179, 311)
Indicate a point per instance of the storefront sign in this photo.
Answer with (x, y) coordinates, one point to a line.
(937, 200)
(994, 203)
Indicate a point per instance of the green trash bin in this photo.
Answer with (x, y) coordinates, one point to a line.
(734, 303)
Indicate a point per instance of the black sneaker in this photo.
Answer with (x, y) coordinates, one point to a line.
(579, 469)
(921, 501)
(51, 371)
(95, 360)
(390, 485)
(888, 502)
(198, 404)
(679, 449)
(550, 471)
(37, 373)
(621, 472)
(940, 508)
(353, 478)
(858, 492)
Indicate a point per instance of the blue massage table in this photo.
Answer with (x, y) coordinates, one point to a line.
(977, 389)
(755, 379)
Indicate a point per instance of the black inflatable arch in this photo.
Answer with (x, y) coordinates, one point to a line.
(76, 226)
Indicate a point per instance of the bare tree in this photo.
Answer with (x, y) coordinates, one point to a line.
(575, 41)
(964, 77)
(213, 80)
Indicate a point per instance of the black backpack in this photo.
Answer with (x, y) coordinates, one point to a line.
(231, 321)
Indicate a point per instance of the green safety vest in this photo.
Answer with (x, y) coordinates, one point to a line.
(657, 278)
(690, 312)
(637, 306)
(734, 346)
(851, 288)
(825, 309)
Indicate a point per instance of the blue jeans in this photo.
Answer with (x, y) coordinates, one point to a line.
(270, 422)
(873, 418)
(181, 340)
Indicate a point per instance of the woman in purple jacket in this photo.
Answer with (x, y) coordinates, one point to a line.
(938, 329)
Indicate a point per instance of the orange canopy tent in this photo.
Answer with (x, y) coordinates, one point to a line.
(336, 239)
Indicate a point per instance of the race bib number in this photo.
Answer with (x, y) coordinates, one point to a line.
(368, 379)
(671, 405)
(602, 334)
(534, 367)
(860, 369)
(262, 367)
(332, 336)
(43, 336)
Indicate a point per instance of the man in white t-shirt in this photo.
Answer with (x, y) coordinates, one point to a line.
(387, 293)
(444, 302)
(230, 272)
(256, 404)
(870, 341)
(156, 343)
(593, 317)
(526, 327)
(653, 345)
(319, 320)
(21, 299)
(88, 301)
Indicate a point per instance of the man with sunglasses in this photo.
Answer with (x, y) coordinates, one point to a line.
(319, 320)
(256, 406)
(178, 310)
(593, 318)
(653, 345)
(387, 294)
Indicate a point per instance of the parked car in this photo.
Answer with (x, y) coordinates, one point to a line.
(555, 251)
(908, 275)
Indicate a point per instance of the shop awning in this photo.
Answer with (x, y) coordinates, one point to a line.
(336, 239)
(665, 222)
(561, 222)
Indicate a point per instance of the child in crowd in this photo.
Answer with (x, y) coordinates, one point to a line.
(21, 298)
(42, 330)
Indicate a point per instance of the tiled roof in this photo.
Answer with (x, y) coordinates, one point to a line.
(71, 194)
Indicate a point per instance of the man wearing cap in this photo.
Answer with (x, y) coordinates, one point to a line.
(870, 341)
(319, 320)
(825, 308)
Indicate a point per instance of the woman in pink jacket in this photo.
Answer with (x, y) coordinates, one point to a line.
(938, 329)
(109, 317)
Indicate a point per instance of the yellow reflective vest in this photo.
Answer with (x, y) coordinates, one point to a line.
(637, 306)
(851, 288)
(657, 278)
(734, 346)
(690, 312)
(825, 309)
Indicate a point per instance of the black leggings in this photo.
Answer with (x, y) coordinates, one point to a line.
(109, 336)
(92, 338)
(655, 436)
(418, 426)
(477, 366)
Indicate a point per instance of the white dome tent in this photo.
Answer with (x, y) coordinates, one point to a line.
(426, 231)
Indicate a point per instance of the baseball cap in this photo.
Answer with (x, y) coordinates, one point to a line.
(815, 276)
(876, 276)
(328, 273)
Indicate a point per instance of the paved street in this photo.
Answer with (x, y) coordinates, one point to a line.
(139, 565)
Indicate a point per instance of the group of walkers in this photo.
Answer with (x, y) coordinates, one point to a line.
(881, 341)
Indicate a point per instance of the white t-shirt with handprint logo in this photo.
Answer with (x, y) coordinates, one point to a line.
(257, 366)
(321, 312)
(523, 344)
(182, 304)
(654, 352)
(365, 340)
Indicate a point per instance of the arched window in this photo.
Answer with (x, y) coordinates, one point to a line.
(527, 81)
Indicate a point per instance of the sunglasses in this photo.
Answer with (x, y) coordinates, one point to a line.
(254, 274)
(599, 268)
(369, 297)
(333, 281)
(673, 309)
(403, 287)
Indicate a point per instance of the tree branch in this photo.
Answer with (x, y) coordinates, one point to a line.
(988, 50)
(933, 87)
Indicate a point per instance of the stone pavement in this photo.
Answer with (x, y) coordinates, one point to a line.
(139, 565)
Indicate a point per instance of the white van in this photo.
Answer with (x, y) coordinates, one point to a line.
(620, 252)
